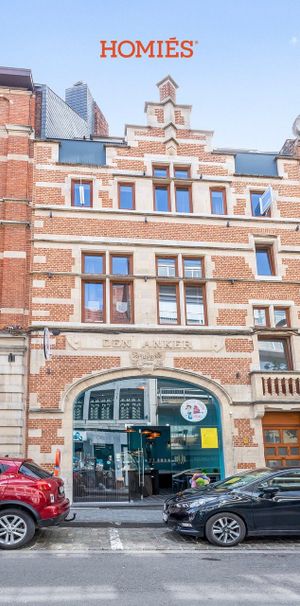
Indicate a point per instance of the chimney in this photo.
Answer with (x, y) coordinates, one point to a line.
(167, 89)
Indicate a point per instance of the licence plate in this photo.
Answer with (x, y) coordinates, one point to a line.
(165, 517)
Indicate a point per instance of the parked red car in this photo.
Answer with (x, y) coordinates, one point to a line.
(30, 498)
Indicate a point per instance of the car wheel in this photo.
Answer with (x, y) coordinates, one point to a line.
(17, 528)
(225, 529)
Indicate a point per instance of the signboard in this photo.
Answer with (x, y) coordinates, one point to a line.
(47, 344)
(193, 410)
(209, 437)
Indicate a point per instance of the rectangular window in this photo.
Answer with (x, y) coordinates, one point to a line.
(274, 354)
(121, 265)
(181, 172)
(264, 261)
(93, 264)
(161, 198)
(261, 316)
(281, 317)
(168, 303)
(121, 303)
(183, 199)
(192, 268)
(93, 302)
(82, 193)
(162, 172)
(255, 206)
(218, 201)
(166, 267)
(194, 305)
(126, 196)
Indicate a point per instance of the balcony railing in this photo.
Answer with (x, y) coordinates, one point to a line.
(277, 385)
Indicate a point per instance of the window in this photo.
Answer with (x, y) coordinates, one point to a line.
(255, 205)
(168, 303)
(281, 317)
(93, 302)
(192, 268)
(264, 261)
(183, 199)
(181, 172)
(121, 303)
(121, 265)
(274, 354)
(289, 481)
(194, 305)
(126, 196)
(166, 267)
(218, 201)
(161, 198)
(93, 264)
(32, 470)
(82, 193)
(161, 172)
(261, 316)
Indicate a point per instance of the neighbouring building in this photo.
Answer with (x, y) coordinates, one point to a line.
(171, 298)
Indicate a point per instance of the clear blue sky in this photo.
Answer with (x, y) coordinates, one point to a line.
(243, 82)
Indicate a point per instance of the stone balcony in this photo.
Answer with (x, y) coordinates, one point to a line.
(283, 386)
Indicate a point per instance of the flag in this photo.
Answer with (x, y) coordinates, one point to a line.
(266, 200)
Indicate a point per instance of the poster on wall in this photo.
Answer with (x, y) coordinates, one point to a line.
(193, 410)
(209, 437)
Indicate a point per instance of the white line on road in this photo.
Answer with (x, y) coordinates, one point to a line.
(115, 541)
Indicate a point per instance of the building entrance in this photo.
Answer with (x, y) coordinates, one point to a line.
(141, 439)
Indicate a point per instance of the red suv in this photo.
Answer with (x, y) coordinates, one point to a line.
(30, 498)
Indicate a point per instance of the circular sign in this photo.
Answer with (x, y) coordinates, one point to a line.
(47, 345)
(193, 410)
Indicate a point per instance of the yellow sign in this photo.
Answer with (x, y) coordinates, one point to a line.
(209, 437)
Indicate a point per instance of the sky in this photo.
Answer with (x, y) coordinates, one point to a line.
(243, 80)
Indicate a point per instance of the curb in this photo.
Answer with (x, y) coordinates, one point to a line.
(92, 524)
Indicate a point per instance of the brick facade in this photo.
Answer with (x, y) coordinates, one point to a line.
(46, 262)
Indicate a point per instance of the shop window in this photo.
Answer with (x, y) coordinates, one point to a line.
(192, 267)
(162, 172)
(82, 193)
(93, 302)
(121, 265)
(183, 199)
(281, 317)
(93, 264)
(161, 198)
(255, 205)
(168, 303)
(274, 354)
(218, 201)
(126, 196)
(264, 261)
(181, 172)
(194, 305)
(166, 267)
(121, 303)
(261, 316)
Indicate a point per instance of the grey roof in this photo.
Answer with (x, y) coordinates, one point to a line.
(16, 77)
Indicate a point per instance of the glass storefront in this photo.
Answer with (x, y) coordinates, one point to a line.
(139, 438)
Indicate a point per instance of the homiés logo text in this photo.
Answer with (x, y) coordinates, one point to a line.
(153, 49)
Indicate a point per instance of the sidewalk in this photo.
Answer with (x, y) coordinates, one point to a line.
(127, 517)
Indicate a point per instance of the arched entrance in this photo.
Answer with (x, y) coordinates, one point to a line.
(142, 437)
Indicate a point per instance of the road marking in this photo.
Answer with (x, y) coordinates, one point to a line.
(115, 541)
(50, 594)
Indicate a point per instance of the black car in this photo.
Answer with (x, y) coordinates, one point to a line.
(255, 503)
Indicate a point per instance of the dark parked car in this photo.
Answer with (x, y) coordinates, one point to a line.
(255, 503)
(29, 499)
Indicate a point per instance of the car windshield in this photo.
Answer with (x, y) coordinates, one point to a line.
(242, 479)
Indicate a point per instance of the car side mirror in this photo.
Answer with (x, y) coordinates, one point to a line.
(269, 490)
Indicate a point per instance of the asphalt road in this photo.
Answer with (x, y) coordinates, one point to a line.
(214, 578)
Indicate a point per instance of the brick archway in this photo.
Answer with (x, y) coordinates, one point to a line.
(74, 390)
